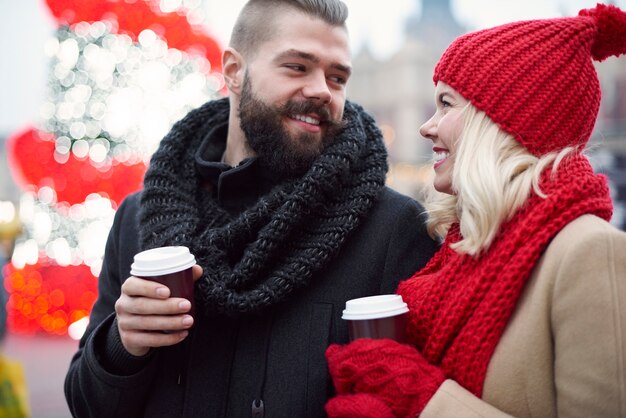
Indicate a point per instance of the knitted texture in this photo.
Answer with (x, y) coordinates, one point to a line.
(396, 374)
(536, 79)
(260, 257)
(360, 405)
(460, 305)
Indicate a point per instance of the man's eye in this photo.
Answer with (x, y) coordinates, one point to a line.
(295, 67)
(338, 79)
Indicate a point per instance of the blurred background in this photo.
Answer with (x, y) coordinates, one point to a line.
(89, 87)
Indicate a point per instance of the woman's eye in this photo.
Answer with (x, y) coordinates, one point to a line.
(443, 100)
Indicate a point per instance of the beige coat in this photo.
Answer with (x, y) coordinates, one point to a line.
(563, 353)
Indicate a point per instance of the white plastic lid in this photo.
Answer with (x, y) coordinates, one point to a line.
(160, 261)
(373, 307)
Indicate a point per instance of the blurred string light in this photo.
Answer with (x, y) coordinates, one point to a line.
(113, 98)
(7, 211)
(116, 86)
(64, 234)
(10, 227)
(48, 297)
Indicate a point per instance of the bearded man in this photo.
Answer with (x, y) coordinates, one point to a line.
(279, 192)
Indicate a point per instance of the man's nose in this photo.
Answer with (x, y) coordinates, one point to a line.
(317, 89)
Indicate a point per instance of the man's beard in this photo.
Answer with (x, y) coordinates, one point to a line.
(280, 152)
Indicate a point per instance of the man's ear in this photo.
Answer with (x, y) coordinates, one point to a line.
(233, 70)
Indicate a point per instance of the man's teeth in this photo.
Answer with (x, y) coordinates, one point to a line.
(441, 155)
(307, 119)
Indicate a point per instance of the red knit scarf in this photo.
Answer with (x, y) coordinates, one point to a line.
(460, 305)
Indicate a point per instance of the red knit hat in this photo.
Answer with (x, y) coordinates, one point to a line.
(535, 78)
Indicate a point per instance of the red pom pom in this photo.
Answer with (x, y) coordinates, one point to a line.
(611, 31)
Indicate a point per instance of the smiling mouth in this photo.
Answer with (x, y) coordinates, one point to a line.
(307, 119)
(439, 156)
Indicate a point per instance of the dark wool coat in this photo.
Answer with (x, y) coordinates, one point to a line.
(226, 363)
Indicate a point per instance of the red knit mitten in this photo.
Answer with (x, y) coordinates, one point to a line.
(360, 405)
(395, 373)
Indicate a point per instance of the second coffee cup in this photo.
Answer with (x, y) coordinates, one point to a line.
(170, 266)
(376, 317)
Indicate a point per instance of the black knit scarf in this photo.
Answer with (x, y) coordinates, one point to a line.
(259, 258)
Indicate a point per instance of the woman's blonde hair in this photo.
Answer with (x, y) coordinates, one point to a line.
(492, 178)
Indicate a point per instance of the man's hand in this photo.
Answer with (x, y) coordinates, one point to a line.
(147, 317)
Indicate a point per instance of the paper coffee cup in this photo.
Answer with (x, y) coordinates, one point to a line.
(382, 316)
(170, 266)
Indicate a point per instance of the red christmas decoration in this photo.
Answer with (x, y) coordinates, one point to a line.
(132, 17)
(31, 160)
(48, 297)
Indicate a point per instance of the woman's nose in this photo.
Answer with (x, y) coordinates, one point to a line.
(429, 129)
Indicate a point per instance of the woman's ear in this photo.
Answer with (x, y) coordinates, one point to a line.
(233, 70)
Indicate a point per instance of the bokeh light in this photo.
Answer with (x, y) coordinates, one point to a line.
(121, 74)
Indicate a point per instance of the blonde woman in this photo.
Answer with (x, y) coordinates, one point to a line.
(523, 310)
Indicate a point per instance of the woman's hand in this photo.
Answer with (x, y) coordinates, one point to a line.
(389, 372)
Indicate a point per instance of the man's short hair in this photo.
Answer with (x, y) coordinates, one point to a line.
(254, 24)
